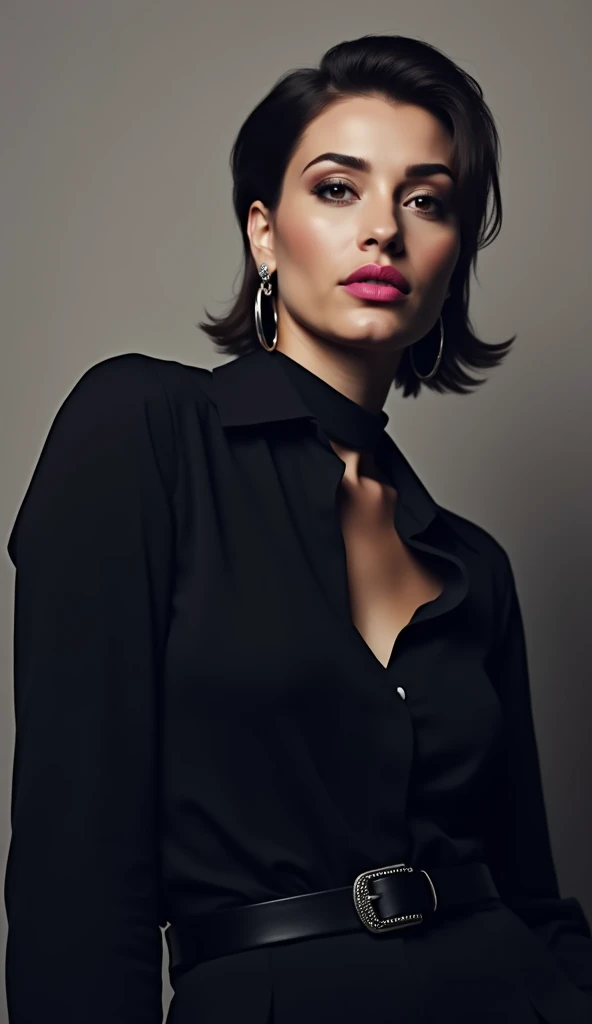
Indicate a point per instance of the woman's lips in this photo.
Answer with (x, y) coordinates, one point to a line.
(375, 292)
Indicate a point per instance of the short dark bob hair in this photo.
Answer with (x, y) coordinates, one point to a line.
(395, 68)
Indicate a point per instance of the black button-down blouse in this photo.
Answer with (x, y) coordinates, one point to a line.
(200, 725)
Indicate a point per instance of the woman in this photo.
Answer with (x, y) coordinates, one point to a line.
(267, 689)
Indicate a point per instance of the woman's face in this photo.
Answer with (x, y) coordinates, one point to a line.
(332, 219)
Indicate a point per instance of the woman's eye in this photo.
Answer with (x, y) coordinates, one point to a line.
(324, 186)
(340, 185)
(432, 199)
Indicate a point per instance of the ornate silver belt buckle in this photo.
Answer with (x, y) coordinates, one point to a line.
(363, 901)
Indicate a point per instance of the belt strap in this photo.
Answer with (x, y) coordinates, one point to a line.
(382, 899)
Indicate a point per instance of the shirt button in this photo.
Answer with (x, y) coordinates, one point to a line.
(401, 692)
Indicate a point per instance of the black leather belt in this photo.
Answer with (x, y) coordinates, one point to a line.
(381, 900)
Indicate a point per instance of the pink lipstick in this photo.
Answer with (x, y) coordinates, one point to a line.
(376, 292)
(378, 283)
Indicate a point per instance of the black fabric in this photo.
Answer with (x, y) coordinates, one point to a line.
(199, 724)
(342, 419)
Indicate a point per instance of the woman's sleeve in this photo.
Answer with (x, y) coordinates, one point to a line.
(93, 546)
(518, 846)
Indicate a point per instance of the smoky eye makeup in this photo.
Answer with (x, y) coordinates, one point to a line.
(432, 205)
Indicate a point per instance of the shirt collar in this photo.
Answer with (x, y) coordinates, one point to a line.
(342, 419)
(253, 389)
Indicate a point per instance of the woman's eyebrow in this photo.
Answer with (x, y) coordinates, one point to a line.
(358, 163)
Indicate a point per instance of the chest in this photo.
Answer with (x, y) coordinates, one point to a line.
(387, 580)
(288, 578)
(289, 615)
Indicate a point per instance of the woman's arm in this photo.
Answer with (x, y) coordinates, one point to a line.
(518, 846)
(93, 548)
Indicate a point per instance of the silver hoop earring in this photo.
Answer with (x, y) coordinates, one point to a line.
(265, 287)
(434, 370)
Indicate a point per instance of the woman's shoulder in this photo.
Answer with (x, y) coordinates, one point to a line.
(130, 402)
(146, 377)
(116, 432)
(129, 396)
(122, 399)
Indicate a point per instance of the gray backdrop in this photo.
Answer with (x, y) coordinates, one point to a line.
(117, 228)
